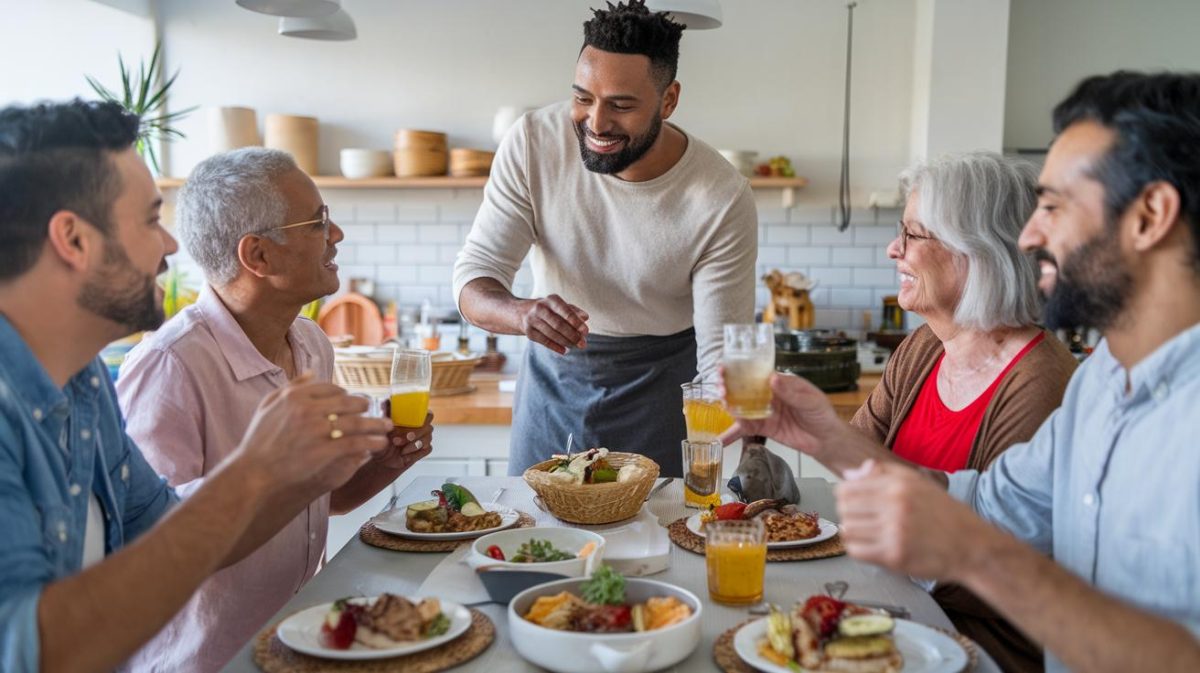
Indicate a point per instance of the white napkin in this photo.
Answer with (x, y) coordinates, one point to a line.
(454, 580)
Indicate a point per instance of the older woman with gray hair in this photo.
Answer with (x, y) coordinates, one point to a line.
(980, 375)
(259, 229)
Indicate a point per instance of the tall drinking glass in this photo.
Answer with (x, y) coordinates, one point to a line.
(749, 359)
(736, 555)
(704, 412)
(702, 473)
(411, 376)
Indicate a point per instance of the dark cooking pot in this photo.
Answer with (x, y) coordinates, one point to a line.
(827, 359)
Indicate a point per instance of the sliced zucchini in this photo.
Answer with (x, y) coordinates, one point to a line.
(866, 625)
(860, 647)
(473, 509)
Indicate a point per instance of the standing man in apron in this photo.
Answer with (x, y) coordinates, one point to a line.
(644, 241)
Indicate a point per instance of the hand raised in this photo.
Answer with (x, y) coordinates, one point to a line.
(554, 323)
(406, 445)
(801, 416)
(896, 517)
(310, 432)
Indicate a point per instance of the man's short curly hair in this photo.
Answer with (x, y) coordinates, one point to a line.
(631, 28)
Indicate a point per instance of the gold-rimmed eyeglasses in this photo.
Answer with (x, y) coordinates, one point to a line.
(323, 220)
(905, 236)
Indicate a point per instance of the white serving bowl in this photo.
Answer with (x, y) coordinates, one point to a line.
(572, 652)
(358, 163)
(570, 540)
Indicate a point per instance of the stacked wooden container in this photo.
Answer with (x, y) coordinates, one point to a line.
(420, 153)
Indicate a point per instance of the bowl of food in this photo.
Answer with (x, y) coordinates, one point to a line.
(594, 486)
(570, 552)
(605, 623)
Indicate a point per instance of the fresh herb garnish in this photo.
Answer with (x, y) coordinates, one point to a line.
(539, 551)
(437, 626)
(606, 587)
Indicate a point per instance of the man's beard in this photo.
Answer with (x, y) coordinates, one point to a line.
(117, 292)
(635, 148)
(1092, 286)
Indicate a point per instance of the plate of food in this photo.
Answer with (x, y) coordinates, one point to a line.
(824, 635)
(452, 514)
(374, 628)
(786, 525)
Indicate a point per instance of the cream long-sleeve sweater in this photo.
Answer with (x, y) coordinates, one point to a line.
(642, 258)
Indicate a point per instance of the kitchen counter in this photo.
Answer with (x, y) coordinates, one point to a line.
(488, 406)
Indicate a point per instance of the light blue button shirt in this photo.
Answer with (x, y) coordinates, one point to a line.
(1110, 484)
(58, 446)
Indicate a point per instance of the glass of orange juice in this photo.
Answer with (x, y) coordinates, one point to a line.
(704, 412)
(706, 418)
(412, 374)
(736, 555)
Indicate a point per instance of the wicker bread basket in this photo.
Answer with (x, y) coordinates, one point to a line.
(594, 503)
(373, 370)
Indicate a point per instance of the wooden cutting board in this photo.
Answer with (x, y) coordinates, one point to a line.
(354, 314)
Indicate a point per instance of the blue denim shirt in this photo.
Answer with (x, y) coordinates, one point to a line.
(1110, 484)
(56, 447)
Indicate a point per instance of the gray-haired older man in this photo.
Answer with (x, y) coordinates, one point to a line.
(258, 228)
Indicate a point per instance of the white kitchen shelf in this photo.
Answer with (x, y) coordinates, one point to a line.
(787, 185)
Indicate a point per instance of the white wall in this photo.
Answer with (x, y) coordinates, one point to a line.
(48, 46)
(769, 80)
(1055, 43)
(959, 71)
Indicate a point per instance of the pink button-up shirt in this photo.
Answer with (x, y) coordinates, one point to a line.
(188, 392)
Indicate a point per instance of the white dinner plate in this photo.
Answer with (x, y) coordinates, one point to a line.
(302, 632)
(828, 530)
(395, 522)
(925, 650)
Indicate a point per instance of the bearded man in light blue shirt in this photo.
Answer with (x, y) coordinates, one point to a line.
(1088, 536)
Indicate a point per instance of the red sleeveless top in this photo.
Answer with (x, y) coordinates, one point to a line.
(937, 437)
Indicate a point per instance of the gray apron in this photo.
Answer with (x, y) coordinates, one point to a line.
(620, 392)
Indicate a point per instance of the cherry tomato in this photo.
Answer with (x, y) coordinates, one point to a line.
(494, 552)
(730, 511)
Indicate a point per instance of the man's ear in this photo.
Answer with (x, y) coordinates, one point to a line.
(670, 99)
(253, 255)
(72, 239)
(1157, 211)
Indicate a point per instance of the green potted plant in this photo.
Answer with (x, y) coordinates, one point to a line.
(141, 97)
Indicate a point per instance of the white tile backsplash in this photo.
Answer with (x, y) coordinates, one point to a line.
(851, 256)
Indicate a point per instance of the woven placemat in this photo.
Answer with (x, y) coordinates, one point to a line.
(273, 656)
(728, 660)
(377, 538)
(688, 540)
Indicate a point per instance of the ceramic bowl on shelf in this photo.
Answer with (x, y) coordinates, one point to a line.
(358, 163)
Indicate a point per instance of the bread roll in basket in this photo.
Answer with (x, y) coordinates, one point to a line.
(595, 503)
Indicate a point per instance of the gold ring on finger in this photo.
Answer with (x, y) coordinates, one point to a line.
(334, 431)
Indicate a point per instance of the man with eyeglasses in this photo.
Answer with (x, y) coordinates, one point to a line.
(98, 551)
(257, 227)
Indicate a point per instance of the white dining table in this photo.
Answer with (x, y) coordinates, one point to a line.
(360, 569)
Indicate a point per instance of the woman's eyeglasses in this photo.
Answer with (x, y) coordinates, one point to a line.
(905, 236)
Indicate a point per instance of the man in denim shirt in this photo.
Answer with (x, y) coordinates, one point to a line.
(1094, 544)
(98, 553)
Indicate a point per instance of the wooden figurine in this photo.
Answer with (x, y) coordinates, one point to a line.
(789, 297)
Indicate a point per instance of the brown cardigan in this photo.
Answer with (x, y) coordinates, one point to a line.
(1030, 391)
